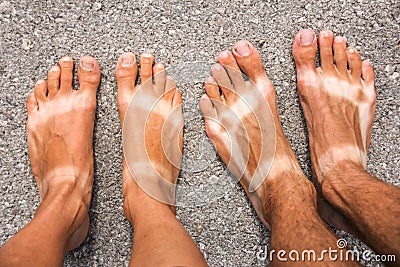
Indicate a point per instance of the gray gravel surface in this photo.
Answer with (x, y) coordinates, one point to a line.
(35, 34)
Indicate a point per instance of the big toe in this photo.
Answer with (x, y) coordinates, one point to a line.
(305, 49)
(88, 74)
(249, 60)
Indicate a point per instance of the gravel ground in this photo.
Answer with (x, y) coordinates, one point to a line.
(35, 34)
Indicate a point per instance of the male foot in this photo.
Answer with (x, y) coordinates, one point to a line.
(246, 114)
(60, 131)
(338, 101)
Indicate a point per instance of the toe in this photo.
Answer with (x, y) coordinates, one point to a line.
(325, 42)
(67, 68)
(354, 61)
(207, 107)
(221, 77)
(212, 89)
(53, 80)
(126, 73)
(249, 60)
(177, 98)
(160, 76)
(88, 74)
(31, 103)
(170, 88)
(146, 66)
(226, 59)
(340, 54)
(305, 50)
(41, 91)
(368, 76)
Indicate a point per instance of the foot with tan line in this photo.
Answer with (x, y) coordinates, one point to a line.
(60, 130)
(237, 123)
(338, 101)
(151, 120)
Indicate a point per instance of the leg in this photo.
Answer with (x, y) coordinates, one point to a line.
(159, 239)
(60, 130)
(286, 200)
(342, 93)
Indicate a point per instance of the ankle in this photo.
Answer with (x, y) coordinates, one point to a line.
(142, 206)
(293, 191)
(339, 180)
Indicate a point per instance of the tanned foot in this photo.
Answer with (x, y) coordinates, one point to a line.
(241, 118)
(60, 130)
(338, 100)
(151, 120)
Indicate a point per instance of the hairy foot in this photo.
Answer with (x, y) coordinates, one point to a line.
(242, 121)
(151, 120)
(338, 101)
(60, 131)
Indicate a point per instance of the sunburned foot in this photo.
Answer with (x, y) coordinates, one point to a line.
(60, 130)
(151, 120)
(338, 101)
(242, 121)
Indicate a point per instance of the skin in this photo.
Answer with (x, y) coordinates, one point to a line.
(159, 240)
(344, 87)
(60, 130)
(286, 200)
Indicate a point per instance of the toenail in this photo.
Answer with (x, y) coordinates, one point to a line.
(40, 81)
(326, 34)
(159, 65)
(127, 60)
(340, 39)
(66, 59)
(210, 80)
(147, 55)
(87, 65)
(351, 50)
(217, 67)
(243, 49)
(55, 68)
(307, 38)
(367, 62)
(224, 54)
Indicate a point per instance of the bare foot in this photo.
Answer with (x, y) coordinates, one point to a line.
(151, 120)
(338, 101)
(60, 130)
(244, 126)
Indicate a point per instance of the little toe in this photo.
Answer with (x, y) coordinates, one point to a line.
(170, 88)
(67, 68)
(305, 50)
(325, 41)
(212, 89)
(340, 54)
(221, 77)
(41, 91)
(53, 81)
(207, 108)
(249, 60)
(146, 67)
(126, 74)
(226, 59)
(31, 103)
(177, 98)
(88, 74)
(160, 78)
(354, 61)
(368, 76)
